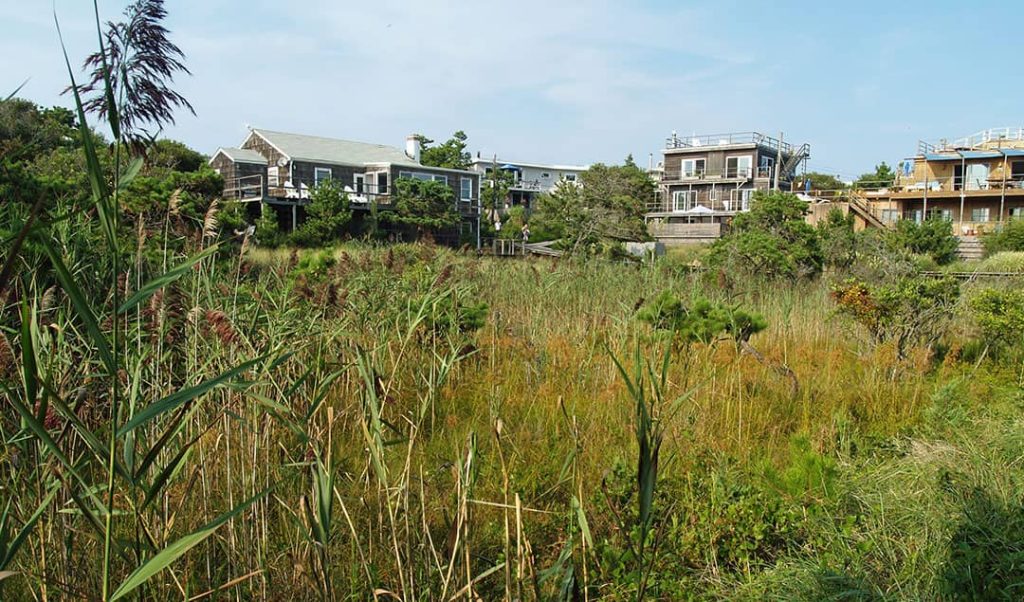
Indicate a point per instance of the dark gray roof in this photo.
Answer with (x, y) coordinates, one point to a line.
(331, 150)
(243, 155)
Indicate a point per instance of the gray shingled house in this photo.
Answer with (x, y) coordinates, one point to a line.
(279, 170)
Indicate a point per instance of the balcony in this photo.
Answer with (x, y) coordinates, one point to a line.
(703, 203)
(527, 185)
(361, 196)
(708, 176)
(675, 142)
(954, 186)
(258, 188)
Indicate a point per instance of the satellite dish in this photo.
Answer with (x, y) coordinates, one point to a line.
(282, 161)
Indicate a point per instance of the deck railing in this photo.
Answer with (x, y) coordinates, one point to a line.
(252, 188)
(990, 138)
(698, 175)
(729, 139)
(968, 183)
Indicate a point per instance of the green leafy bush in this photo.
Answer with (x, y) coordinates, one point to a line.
(1000, 316)
(772, 240)
(425, 204)
(1008, 237)
(327, 215)
(313, 266)
(806, 474)
(932, 237)
(268, 234)
(913, 310)
(704, 321)
(838, 239)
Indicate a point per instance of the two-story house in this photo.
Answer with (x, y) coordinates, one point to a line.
(975, 182)
(279, 170)
(706, 180)
(528, 179)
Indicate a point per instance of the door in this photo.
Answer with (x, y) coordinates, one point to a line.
(958, 176)
(977, 176)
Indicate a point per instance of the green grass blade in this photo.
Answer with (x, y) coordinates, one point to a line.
(82, 307)
(148, 289)
(172, 552)
(10, 550)
(130, 174)
(97, 447)
(165, 475)
(176, 424)
(183, 396)
(29, 371)
(98, 183)
(16, 90)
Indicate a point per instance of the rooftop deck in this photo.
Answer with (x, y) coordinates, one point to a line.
(1005, 137)
(676, 142)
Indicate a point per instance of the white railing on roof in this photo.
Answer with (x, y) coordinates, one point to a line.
(985, 138)
(675, 141)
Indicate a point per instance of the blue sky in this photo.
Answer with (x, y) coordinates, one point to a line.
(568, 82)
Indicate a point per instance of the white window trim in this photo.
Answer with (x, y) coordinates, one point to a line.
(316, 174)
(420, 175)
(687, 199)
(694, 172)
(741, 194)
(750, 165)
(462, 189)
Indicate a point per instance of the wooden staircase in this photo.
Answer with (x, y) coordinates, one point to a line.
(970, 248)
(860, 207)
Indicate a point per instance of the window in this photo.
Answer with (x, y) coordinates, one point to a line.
(890, 216)
(979, 214)
(466, 189)
(570, 177)
(359, 183)
(738, 167)
(545, 175)
(273, 176)
(415, 175)
(1017, 212)
(946, 214)
(977, 176)
(382, 182)
(1017, 170)
(693, 168)
(321, 174)
(914, 215)
(739, 200)
(765, 165)
(684, 200)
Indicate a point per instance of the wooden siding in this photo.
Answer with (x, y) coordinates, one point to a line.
(304, 172)
(453, 183)
(231, 171)
(258, 144)
(224, 166)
